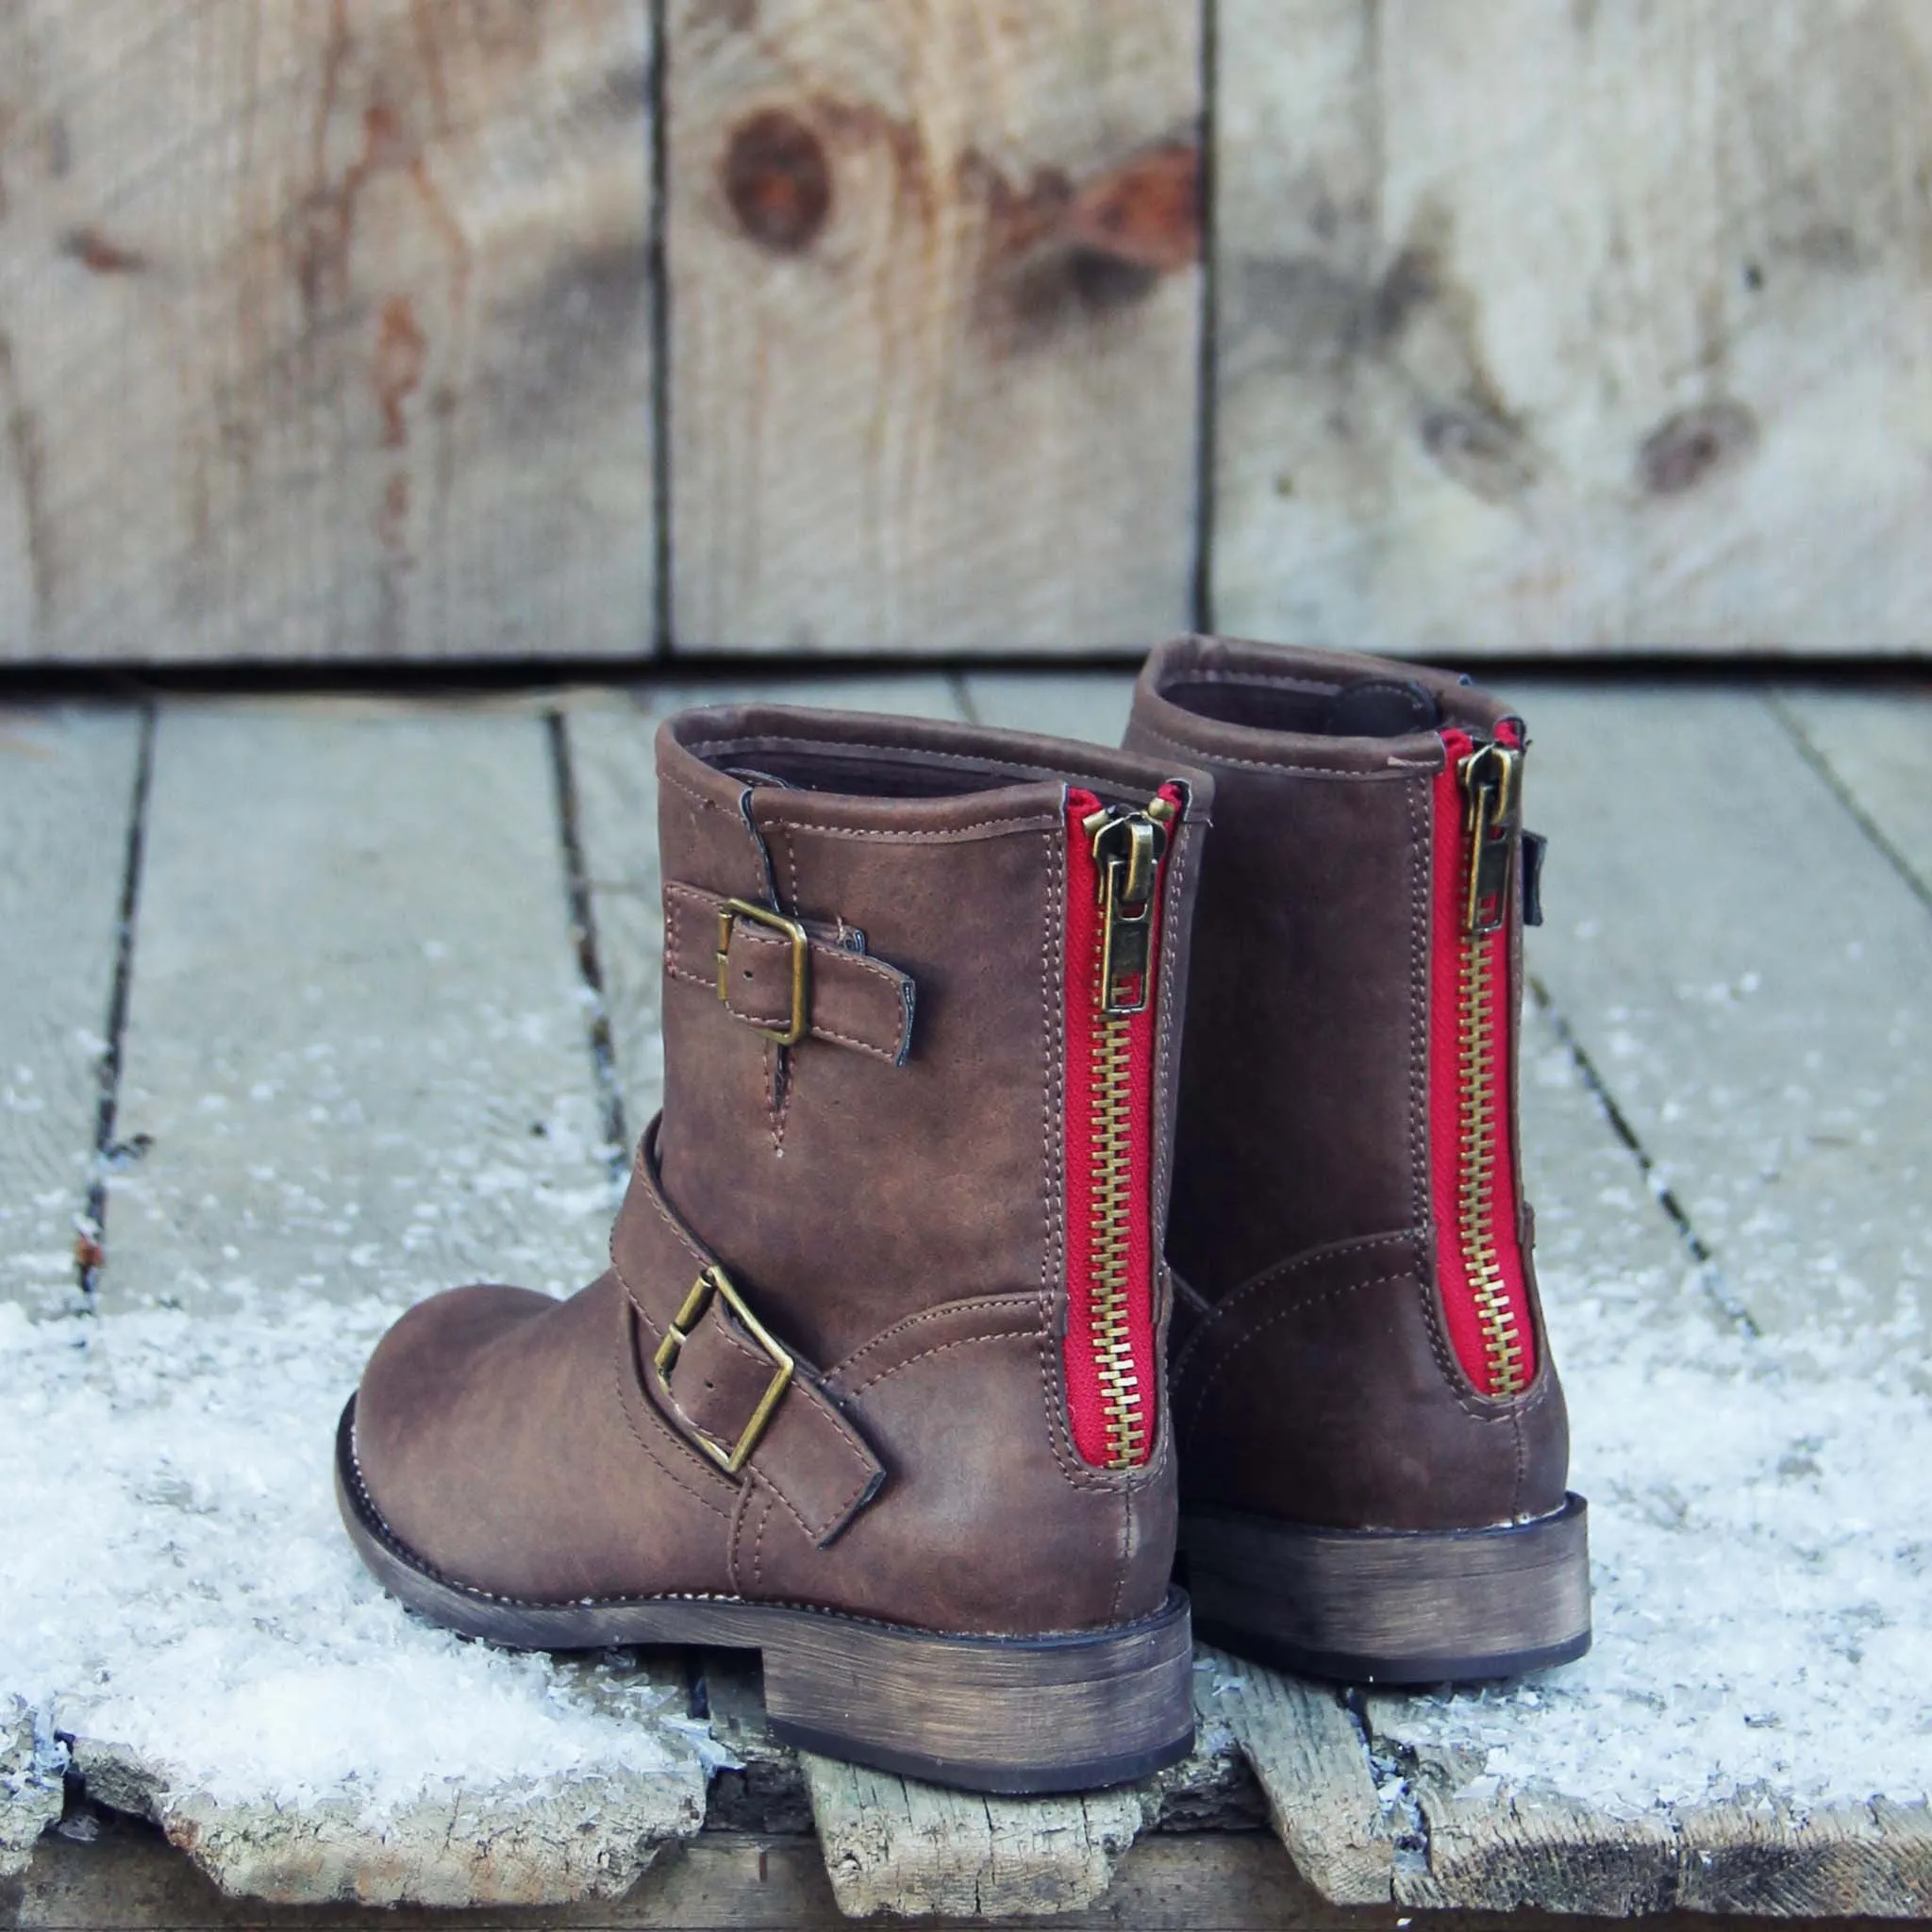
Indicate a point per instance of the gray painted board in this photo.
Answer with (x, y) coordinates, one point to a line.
(1753, 979)
(66, 795)
(356, 1041)
(1877, 747)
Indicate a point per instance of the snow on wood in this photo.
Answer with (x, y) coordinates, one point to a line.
(33, 1764)
(1877, 749)
(1747, 1734)
(357, 1048)
(182, 1600)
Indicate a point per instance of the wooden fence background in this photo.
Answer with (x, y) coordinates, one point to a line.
(594, 328)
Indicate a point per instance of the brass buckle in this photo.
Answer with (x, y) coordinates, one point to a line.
(714, 1281)
(735, 909)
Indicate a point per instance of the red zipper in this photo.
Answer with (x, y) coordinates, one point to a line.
(1115, 863)
(1473, 1189)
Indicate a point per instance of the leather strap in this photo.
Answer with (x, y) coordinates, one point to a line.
(851, 999)
(717, 1386)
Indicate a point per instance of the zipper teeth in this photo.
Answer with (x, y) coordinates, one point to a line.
(1111, 1198)
(1475, 1197)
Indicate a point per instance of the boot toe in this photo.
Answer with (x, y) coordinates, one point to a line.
(418, 1401)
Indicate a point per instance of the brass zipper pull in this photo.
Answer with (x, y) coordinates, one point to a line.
(1492, 779)
(1127, 848)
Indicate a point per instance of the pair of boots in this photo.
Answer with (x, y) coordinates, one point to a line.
(881, 1380)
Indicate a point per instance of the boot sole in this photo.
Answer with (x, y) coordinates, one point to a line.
(1004, 1714)
(1392, 1607)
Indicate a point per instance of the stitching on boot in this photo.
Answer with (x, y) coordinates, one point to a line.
(1047, 773)
(1195, 755)
(1025, 822)
(1420, 928)
(886, 1374)
(1482, 1409)
(1216, 1311)
(978, 1305)
(1337, 1292)
(623, 1370)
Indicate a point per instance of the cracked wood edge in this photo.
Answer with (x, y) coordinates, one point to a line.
(895, 1845)
(1312, 1760)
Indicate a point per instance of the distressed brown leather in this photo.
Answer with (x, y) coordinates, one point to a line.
(1313, 1379)
(886, 1197)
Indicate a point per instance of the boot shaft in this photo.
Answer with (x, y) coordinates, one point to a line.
(967, 1113)
(1347, 1153)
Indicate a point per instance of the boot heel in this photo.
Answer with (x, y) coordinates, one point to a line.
(1392, 1607)
(990, 1714)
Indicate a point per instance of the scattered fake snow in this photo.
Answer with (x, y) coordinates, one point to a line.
(1762, 1550)
(178, 1582)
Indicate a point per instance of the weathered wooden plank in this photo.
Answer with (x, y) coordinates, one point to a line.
(1767, 1858)
(934, 319)
(357, 1044)
(1090, 705)
(892, 1845)
(1312, 1758)
(1501, 1853)
(325, 330)
(67, 782)
(616, 776)
(1584, 327)
(1753, 977)
(357, 1069)
(1877, 748)
(129, 1880)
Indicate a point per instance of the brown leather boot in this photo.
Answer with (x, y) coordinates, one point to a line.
(873, 1382)
(1373, 1438)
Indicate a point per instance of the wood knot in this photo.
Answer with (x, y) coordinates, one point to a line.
(777, 180)
(1144, 212)
(1684, 449)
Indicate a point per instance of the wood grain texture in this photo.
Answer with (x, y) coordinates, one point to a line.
(1766, 1858)
(1768, 1056)
(129, 1879)
(66, 796)
(356, 1042)
(1312, 1758)
(323, 330)
(934, 324)
(1583, 325)
(914, 1850)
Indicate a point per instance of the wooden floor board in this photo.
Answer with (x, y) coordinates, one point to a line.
(1877, 747)
(1090, 705)
(357, 1044)
(1752, 979)
(66, 794)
